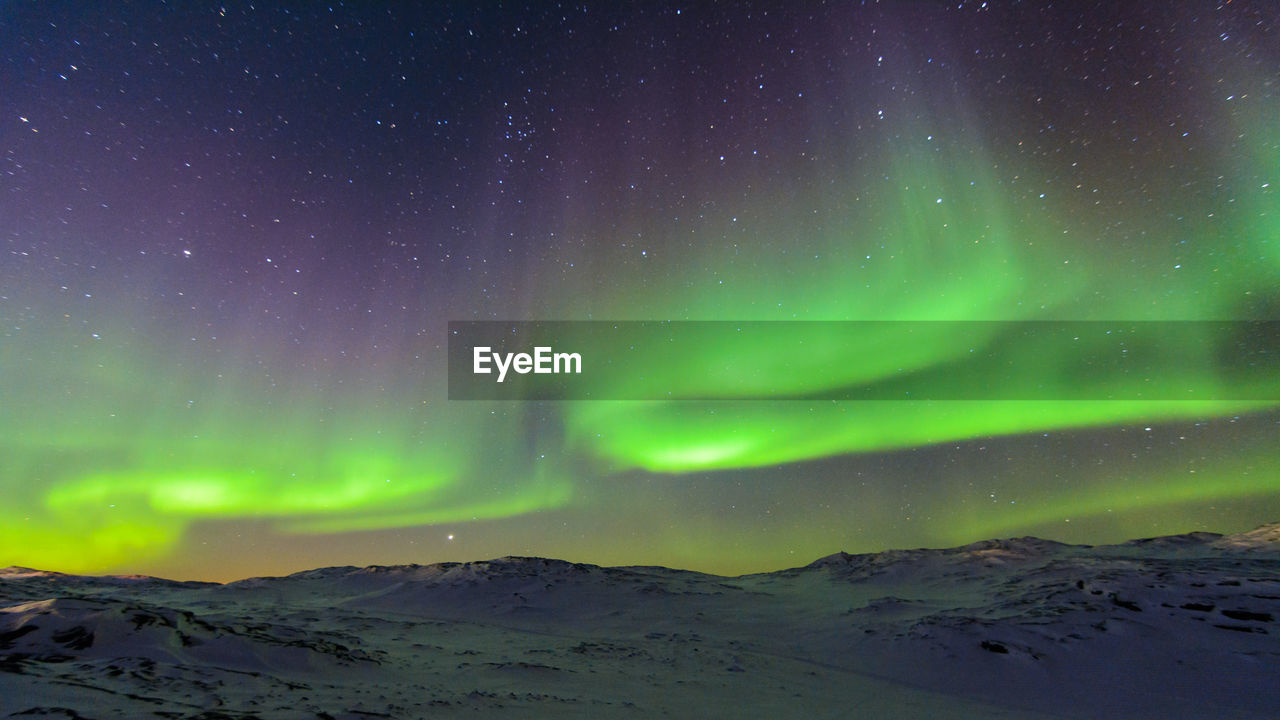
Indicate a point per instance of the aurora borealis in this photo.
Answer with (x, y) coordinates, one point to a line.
(233, 237)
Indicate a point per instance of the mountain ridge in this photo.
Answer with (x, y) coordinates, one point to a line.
(1263, 538)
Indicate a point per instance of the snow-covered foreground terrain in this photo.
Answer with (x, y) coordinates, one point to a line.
(1177, 627)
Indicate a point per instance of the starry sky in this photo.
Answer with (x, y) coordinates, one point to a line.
(232, 237)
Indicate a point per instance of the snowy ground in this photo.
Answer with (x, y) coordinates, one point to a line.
(1179, 627)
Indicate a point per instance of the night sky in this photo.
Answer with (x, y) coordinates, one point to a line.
(231, 238)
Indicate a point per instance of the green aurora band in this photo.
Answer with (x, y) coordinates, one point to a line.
(947, 245)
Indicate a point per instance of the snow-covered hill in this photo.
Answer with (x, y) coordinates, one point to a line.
(1185, 626)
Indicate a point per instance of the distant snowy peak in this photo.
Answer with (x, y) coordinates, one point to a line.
(1027, 546)
(1010, 549)
(508, 566)
(16, 572)
(1191, 539)
(1262, 539)
(380, 583)
(1265, 539)
(517, 566)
